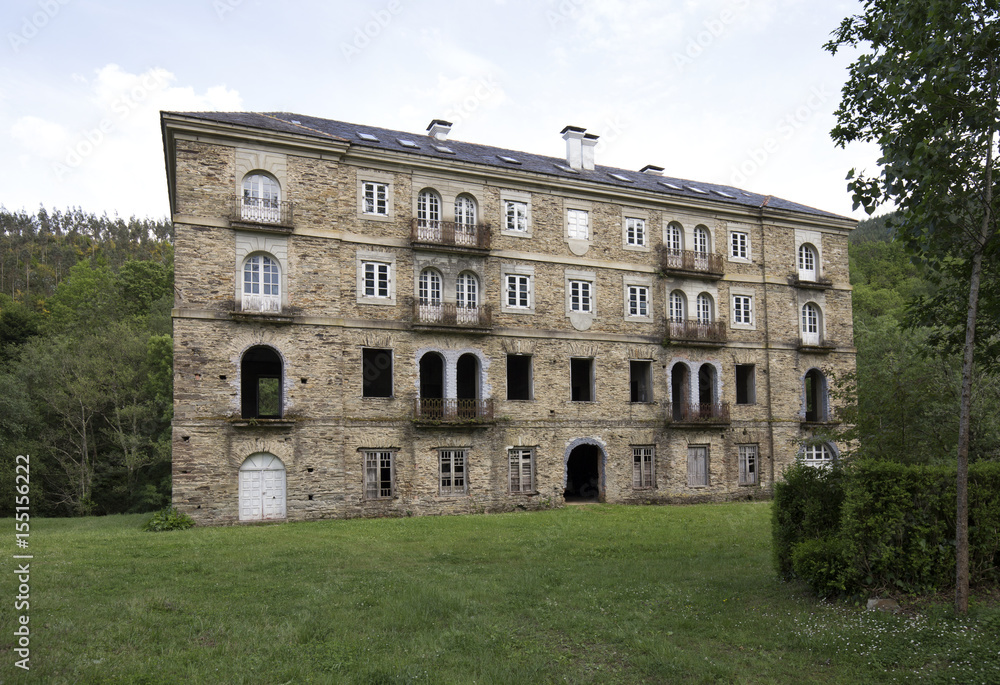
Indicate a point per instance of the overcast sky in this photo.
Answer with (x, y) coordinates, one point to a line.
(738, 92)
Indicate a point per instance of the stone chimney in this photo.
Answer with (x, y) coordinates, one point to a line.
(573, 135)
(439, 129)
(589, 141)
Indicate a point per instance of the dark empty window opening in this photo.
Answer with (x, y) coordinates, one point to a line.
(260, 384)
(376, 370)
(680, 389)
(640, 381)
(583, 474)
(518, 377)
(706, 385)
(581, 373)
(815, 387)
(746, 387)
(467, 377)
(432, 386)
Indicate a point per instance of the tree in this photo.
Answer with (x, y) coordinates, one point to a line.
(926, 92)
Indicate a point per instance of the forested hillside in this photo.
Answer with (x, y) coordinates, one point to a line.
(85, 360)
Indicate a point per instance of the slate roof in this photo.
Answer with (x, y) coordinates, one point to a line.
(426, 146)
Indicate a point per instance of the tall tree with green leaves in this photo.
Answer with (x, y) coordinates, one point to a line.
(925, 89)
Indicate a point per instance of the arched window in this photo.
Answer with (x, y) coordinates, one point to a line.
(431, 386)
(675, 238)
(262, 488)
(680, 388)
(260, 384)
(818, 455)
(261, 198)
(707, 391)
(465, 212)
(705, 310)
(701, 240)
(677, 307)
(811, 324)
(815, 391)
(430, 287)
(807, 262)
(261, 284)
(467, 291)
(428, 209)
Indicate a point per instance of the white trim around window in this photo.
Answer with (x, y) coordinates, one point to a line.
(635, 230)
(739, 246)
(518, 283)
(742, 309)
(376, 277)
(515, 213)
(375, 195)
(633, 286)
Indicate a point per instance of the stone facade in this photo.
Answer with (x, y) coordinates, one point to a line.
(365, 390)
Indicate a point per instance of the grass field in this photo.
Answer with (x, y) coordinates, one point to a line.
(592, 594)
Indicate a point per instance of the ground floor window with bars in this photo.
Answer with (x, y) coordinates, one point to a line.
(451, 472)
(379, 474)
(749, 463)
(522, 469)
(642, 467)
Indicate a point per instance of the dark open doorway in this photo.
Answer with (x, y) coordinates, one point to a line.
(583, 474)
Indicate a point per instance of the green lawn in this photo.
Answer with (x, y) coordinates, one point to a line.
(593, 594)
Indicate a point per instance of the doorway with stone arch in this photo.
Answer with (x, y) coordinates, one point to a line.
(584, 475)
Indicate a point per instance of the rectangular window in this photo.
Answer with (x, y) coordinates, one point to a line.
(739, 243)
(377, 279)
(640, 376)
(746, 391)
(375, 198)
(638, 300)
(376, 372)
(742, 309)
(581, 373)
(748, 464)
(518, 291)
(379, 474)
(519, 377)
(451, 472)
(522, 469)
(697, 465)
(516, 216)
(642, 467)
(635, 232)
(577, 224)
(580, 296)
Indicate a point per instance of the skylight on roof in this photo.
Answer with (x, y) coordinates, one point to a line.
(563, 167)
(407, 143)
(722, 194)
(619, 177)
(509, 160)
(368, 136)
(696, 189)
(443, 148)
(670, 185)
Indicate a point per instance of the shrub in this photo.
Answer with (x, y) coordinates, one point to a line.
(826, 565)
(807, 506)
(168, 519)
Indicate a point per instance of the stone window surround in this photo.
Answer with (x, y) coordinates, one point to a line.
(581, 320)
(374, 176)
(578, 246)
(816, 298)
(509, 195)
(694, 379)
(448, 191)
(744, 230)
(249, 161)
(368, 256)
(449, 267)
(744, 292)
(517, 270)
(632, 213)
(692, 289)
(641, 281)
(688, 225)
(273, 246)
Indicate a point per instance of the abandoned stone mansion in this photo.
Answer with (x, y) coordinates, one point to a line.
(371, 322)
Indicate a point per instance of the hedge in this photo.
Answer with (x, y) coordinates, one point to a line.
(881, 525)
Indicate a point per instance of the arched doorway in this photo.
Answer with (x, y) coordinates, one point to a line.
(262, 488)
(680, 388)
(431, 386)
(583, 474)
(467, 382)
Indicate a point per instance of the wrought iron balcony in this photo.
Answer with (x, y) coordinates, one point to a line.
(698, 413)
(450, 234)
(451, 411)
(258, 212)
(692, 264)
(695, 333)
(450, 315)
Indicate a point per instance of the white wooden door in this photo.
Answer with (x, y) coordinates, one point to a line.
(273, 494)
(250, 495)
(262, 488)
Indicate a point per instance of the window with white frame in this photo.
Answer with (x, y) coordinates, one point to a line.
(578, 224)
(807, 262)
(701, 240)
(380, 474)
(522, 469)
(817, 455)
(516, 216)
(677, 307)
(377, 279)
(642, 467)
(518, 291)
(261, 198)
(451, 472)
(703, 306)
(580, 296)
(739, 245)
(467, 290)
(429, 289)
(465, 212)
(675, 238)
(748, 458)
(810, 324)
(428, 209)
(638, 300)
(742, 310)
(375, 198)
(261, 284)
(635, 232)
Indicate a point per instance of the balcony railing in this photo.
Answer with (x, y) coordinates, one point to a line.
(451, 234)
(698, 413)
(689, 262)
(450, 314)
(261, 211)
(696, 333)
(453, 410)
